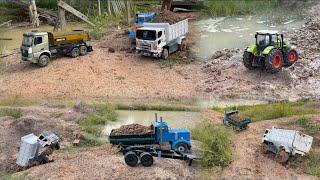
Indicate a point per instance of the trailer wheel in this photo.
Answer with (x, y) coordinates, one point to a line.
(165, 54)
(146, 159)
(131, 158)
(282, 156)
(182, 147)
(43, 61)
(75, 52)
(83, 50)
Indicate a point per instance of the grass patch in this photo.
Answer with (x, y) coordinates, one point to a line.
(8, 176)
(308, 124)
(16, 101)
(13, 112)
(309, 163)
(56, 114)
(93, 125)
(273, 110)
(216, 144)
(150, 107)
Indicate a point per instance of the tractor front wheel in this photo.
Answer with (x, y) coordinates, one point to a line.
(248, 60)
(274, 61)
(290, 57)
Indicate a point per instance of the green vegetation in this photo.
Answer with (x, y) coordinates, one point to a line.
(150, 107)
(13, 112)
(8, 176)
(216, 144)
(308, 124)
(93, 125)
(274, 110)
(309, 163)
(104, 24)
(16, 101)
(238, 7)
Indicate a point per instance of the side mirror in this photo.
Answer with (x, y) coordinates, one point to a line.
(255, 36)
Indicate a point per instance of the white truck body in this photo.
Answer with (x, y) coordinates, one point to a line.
(292, 141)
(28, 149)
(164, 36)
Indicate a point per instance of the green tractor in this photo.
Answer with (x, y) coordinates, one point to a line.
(269, 52)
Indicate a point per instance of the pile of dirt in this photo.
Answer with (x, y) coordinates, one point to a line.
(132, 129)
(117, 42)
(168, 17)
(224, 59)
(237, 117)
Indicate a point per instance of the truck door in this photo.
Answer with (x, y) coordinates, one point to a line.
(39, 46)
(302, 142)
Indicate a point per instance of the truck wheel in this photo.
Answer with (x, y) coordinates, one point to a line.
(165, 54)
(248, 60)
(182, 148)
(274, 61)
(282, 156)
(75, 52)
(83, 50)
(183, 45)
(43, 61)
(131, 159)
(290, 57)
(264, 148)
(146, 159)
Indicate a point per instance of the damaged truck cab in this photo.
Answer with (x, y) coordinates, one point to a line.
(39, 47)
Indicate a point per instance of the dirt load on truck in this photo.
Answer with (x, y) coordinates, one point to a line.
(132, 129)
(168, 17)
(237, 117)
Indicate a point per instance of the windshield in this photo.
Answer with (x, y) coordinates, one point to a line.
(27, 41)
(262, 40)
(146, 35)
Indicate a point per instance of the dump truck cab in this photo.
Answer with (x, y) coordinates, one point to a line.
(34, 44)
(179, 139)
(150, 41)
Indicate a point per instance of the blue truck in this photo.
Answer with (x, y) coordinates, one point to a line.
(140, 19)
(174, 139)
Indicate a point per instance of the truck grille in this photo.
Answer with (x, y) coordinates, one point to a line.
(25, 53)
(145, 46)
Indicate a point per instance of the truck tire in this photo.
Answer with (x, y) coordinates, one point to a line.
(146, 159)
(43, 60)
(248, 60)
(274, 61)
(165, 54)
(83, 50)
(131, 159)
(290, 57)
(75, 52)
(183, 45)
(264, 148)
(282, 156)
(182, 147)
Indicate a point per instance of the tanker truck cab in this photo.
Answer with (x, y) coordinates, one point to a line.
(179, 139)
(150, 41)
(34, 44)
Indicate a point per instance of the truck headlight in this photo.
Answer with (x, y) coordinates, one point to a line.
(29, 50)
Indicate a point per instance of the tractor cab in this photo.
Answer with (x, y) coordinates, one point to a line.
(265, 38)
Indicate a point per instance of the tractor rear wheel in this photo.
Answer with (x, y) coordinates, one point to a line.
(282, 156)
(131, 158)
(290, 57)
(248, 60)
(274, 61)
(146, 159)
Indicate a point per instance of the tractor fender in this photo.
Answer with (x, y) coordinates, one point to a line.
(267, 50)
(174, 144)
(252, 49)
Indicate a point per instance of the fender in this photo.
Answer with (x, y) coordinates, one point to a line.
(180, 141)
(252, 49)
(47, 53)
(267, 50)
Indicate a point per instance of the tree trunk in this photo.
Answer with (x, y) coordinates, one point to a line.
(128, 5)
(61, 18)
(33, 13)
(99, 7)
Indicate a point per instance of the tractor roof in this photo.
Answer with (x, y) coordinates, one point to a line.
(267, 32)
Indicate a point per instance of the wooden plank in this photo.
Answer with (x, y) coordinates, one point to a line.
(75, 12)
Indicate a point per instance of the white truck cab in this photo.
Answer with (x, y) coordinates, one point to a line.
(285, 143)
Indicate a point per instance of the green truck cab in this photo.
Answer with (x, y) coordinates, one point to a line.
(40, 47)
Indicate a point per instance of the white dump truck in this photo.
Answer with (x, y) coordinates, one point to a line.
(285, 143)
(161, 39)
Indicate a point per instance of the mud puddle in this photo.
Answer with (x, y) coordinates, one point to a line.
(175, 119)
(237, 32)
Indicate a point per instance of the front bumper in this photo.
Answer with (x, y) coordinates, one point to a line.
(29, 58)
(149, 53)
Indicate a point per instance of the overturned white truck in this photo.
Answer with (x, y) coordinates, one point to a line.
(161, 39)
(285, 143)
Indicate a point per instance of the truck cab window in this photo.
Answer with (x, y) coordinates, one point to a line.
(159, 34)
(37, 40)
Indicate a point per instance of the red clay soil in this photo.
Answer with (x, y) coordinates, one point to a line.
(237, 117)
(168, 17)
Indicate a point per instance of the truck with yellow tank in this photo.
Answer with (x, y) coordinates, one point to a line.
(40, 47)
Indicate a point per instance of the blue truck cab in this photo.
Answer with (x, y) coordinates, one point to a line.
(179, 139)
(140, 19)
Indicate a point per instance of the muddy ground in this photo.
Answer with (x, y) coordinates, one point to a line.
(226, 77)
